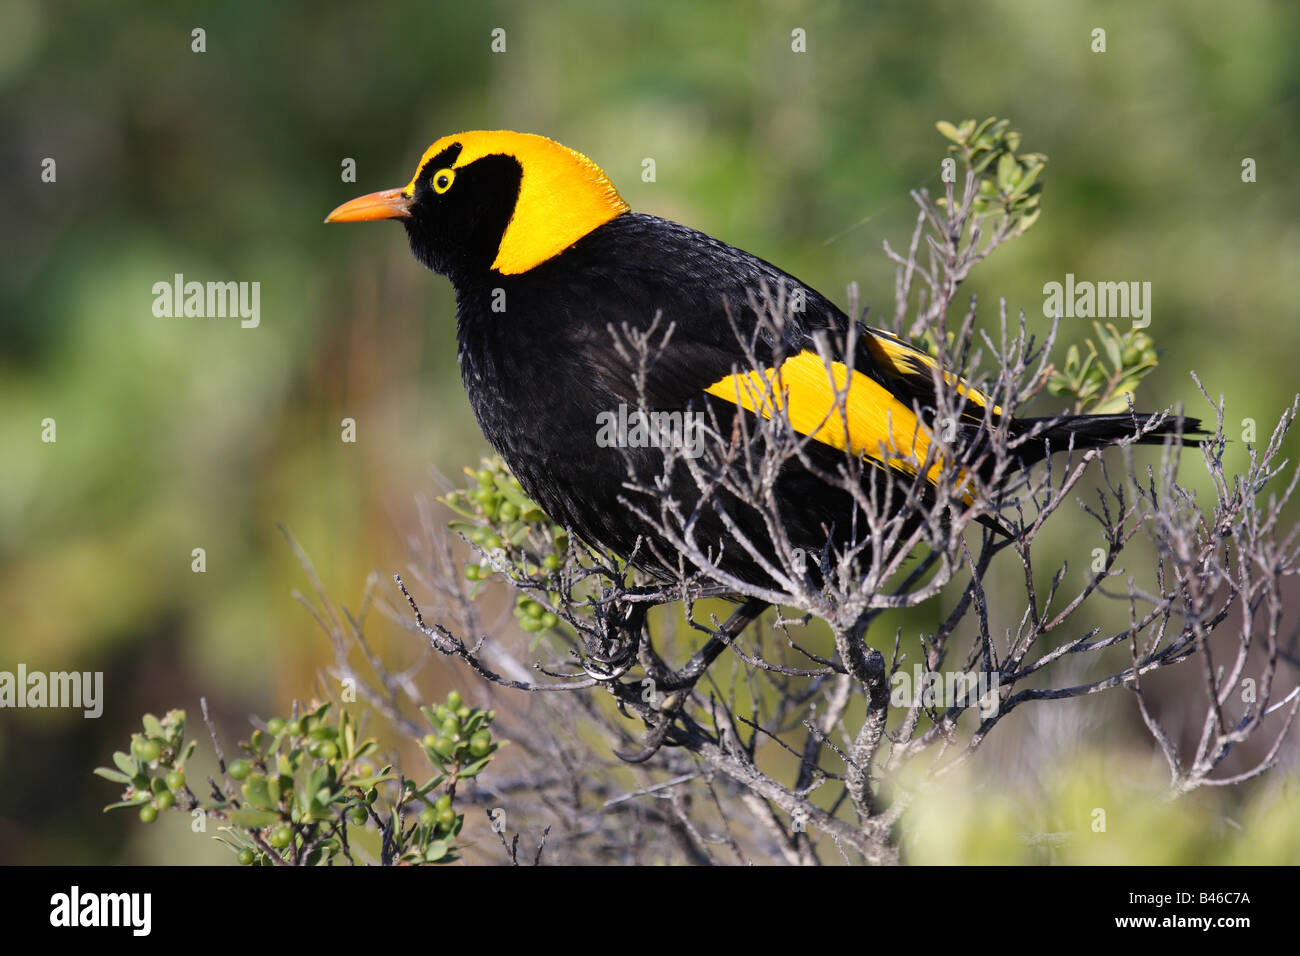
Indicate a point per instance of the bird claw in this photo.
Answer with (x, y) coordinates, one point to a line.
(614, 653)
(654, 741)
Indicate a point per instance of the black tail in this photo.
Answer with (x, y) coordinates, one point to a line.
(1058, 433)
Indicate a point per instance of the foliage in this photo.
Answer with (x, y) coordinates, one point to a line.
(305, 789)
(1104, 380)
(1007, 180)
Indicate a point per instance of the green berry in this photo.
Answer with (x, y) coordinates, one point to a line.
(164, 800)
(275, 725)
(281, 837)
(175, 780)
(358, 816)
(450, 727)
(552, 562)
(148, 813)
(430, 741)
(480, 743)
(453, 700)
(324, 750)
(428, 817)
(149, 751)
(445, 747)
(473, 572)
(508, 511)
(294, 728)
(446, 818)
(463, 712)
(239, 769)
(486, 477)
(246, 857)
(443, 802)
(549, 620)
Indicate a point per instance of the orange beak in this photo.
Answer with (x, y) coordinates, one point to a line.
(388, 204)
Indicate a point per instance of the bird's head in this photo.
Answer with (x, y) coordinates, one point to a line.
(495, 200)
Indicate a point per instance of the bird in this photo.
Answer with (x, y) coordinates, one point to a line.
(546, 259)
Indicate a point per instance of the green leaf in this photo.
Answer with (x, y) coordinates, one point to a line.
(1072, 359)
(1113, 405)
(256, 791)
(1110, 342)
(437, 850)
(1027, 181)
(514, 495)
(473, 769)
(152, 727)
(432, 784)
(365, 783)
(1007, 167)
(980, 130)
(125, 763)
(949, 131)
(113, 775)
(252, 819)
(982, 163)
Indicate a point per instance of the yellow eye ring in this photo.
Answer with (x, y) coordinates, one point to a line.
(441, 180)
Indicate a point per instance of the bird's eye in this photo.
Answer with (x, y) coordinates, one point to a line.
(442, 180)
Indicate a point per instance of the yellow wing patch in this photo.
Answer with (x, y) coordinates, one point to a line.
(903, 359)
(563, 195)
(879, 425)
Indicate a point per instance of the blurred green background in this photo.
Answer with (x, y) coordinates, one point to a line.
(175, 434)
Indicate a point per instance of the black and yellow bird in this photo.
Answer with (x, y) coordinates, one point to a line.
(545, 257)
